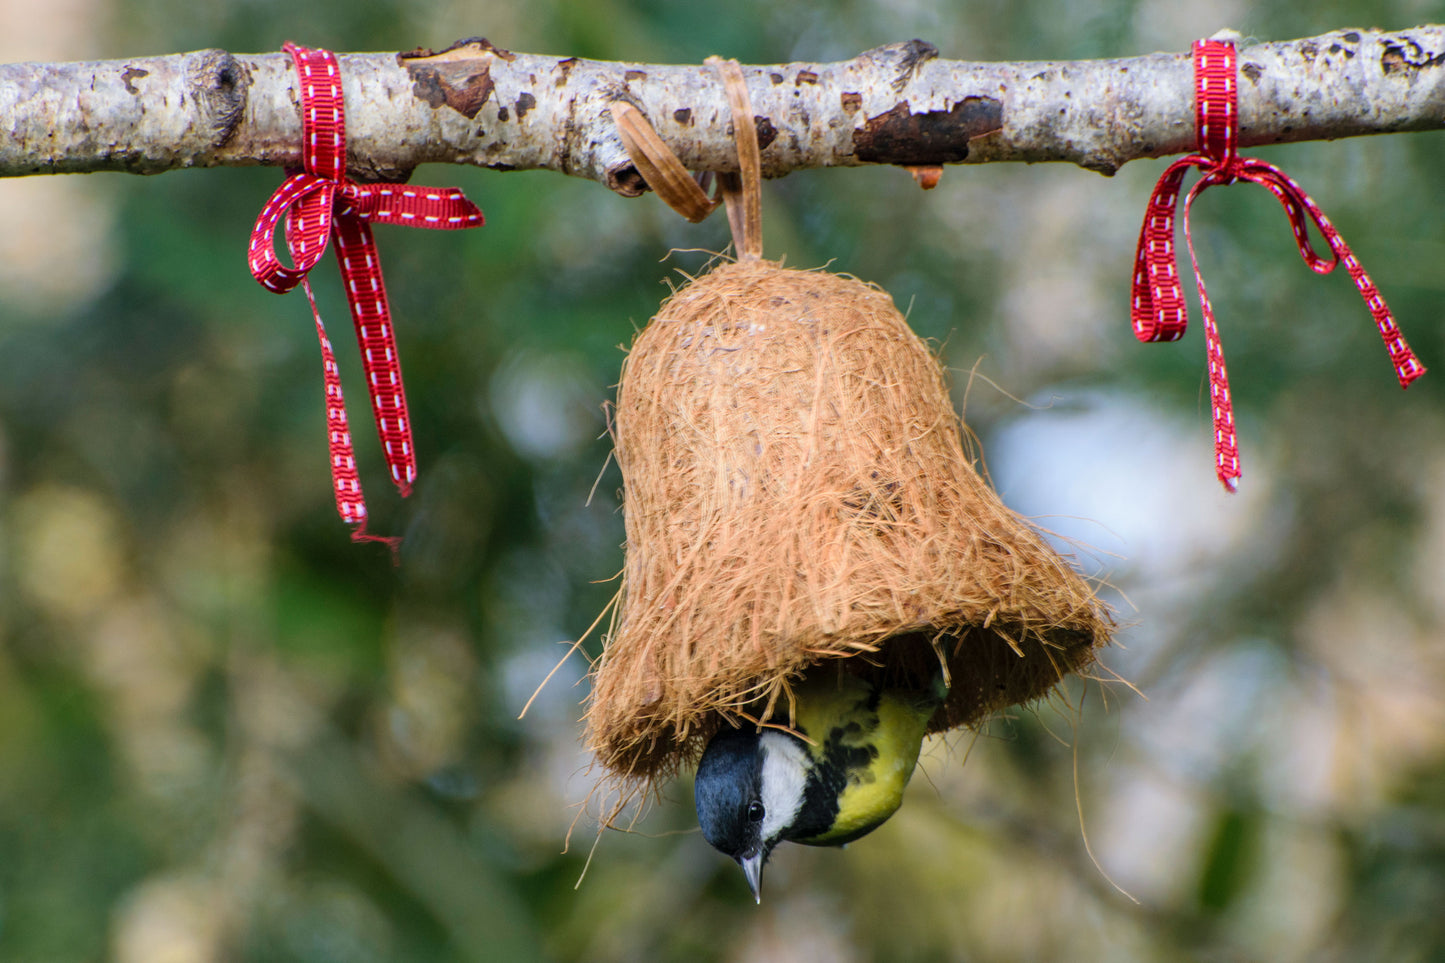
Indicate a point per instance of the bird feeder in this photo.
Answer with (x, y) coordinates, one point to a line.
(797, 491)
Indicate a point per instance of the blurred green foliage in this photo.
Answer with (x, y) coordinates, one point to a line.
(227, 732)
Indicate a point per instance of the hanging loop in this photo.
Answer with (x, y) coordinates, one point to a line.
(659, 166)
(742, 192)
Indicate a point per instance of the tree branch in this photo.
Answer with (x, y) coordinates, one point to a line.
(900, 104)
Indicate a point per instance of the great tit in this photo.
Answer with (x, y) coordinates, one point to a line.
(755, 789)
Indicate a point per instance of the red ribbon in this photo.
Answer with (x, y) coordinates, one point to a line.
(321, 205)
(1159, 313)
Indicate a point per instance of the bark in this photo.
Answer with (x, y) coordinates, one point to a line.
(900, 104)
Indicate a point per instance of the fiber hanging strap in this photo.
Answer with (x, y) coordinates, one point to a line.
(742, 191)
(659, 166)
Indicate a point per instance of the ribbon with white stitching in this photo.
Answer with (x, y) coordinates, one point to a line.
(321, 205)
(1158, 311)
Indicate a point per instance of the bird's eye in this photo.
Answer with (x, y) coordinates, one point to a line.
(755, 811)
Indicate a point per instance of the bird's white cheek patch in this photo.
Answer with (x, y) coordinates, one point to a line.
(785, 773)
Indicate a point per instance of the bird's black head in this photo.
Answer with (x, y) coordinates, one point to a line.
(729, 789)
(729, 794)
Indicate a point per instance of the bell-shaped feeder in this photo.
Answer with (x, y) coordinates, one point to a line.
(797, 491)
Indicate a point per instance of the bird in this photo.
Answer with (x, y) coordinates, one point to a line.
(833, 776)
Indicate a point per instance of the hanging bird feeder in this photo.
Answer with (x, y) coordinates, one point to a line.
(797, 490)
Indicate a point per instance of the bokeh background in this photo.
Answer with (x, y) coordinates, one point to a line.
(229, 734)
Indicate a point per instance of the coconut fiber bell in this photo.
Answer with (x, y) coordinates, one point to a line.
(797, 491)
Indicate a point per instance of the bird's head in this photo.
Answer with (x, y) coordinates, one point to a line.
(749, 790)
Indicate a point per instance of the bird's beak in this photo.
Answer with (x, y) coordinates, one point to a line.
(753, 870)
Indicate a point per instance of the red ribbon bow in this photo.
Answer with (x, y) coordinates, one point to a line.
(1159, 313)
(320, 204)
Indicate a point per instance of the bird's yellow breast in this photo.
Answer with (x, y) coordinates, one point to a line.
(878, 736)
